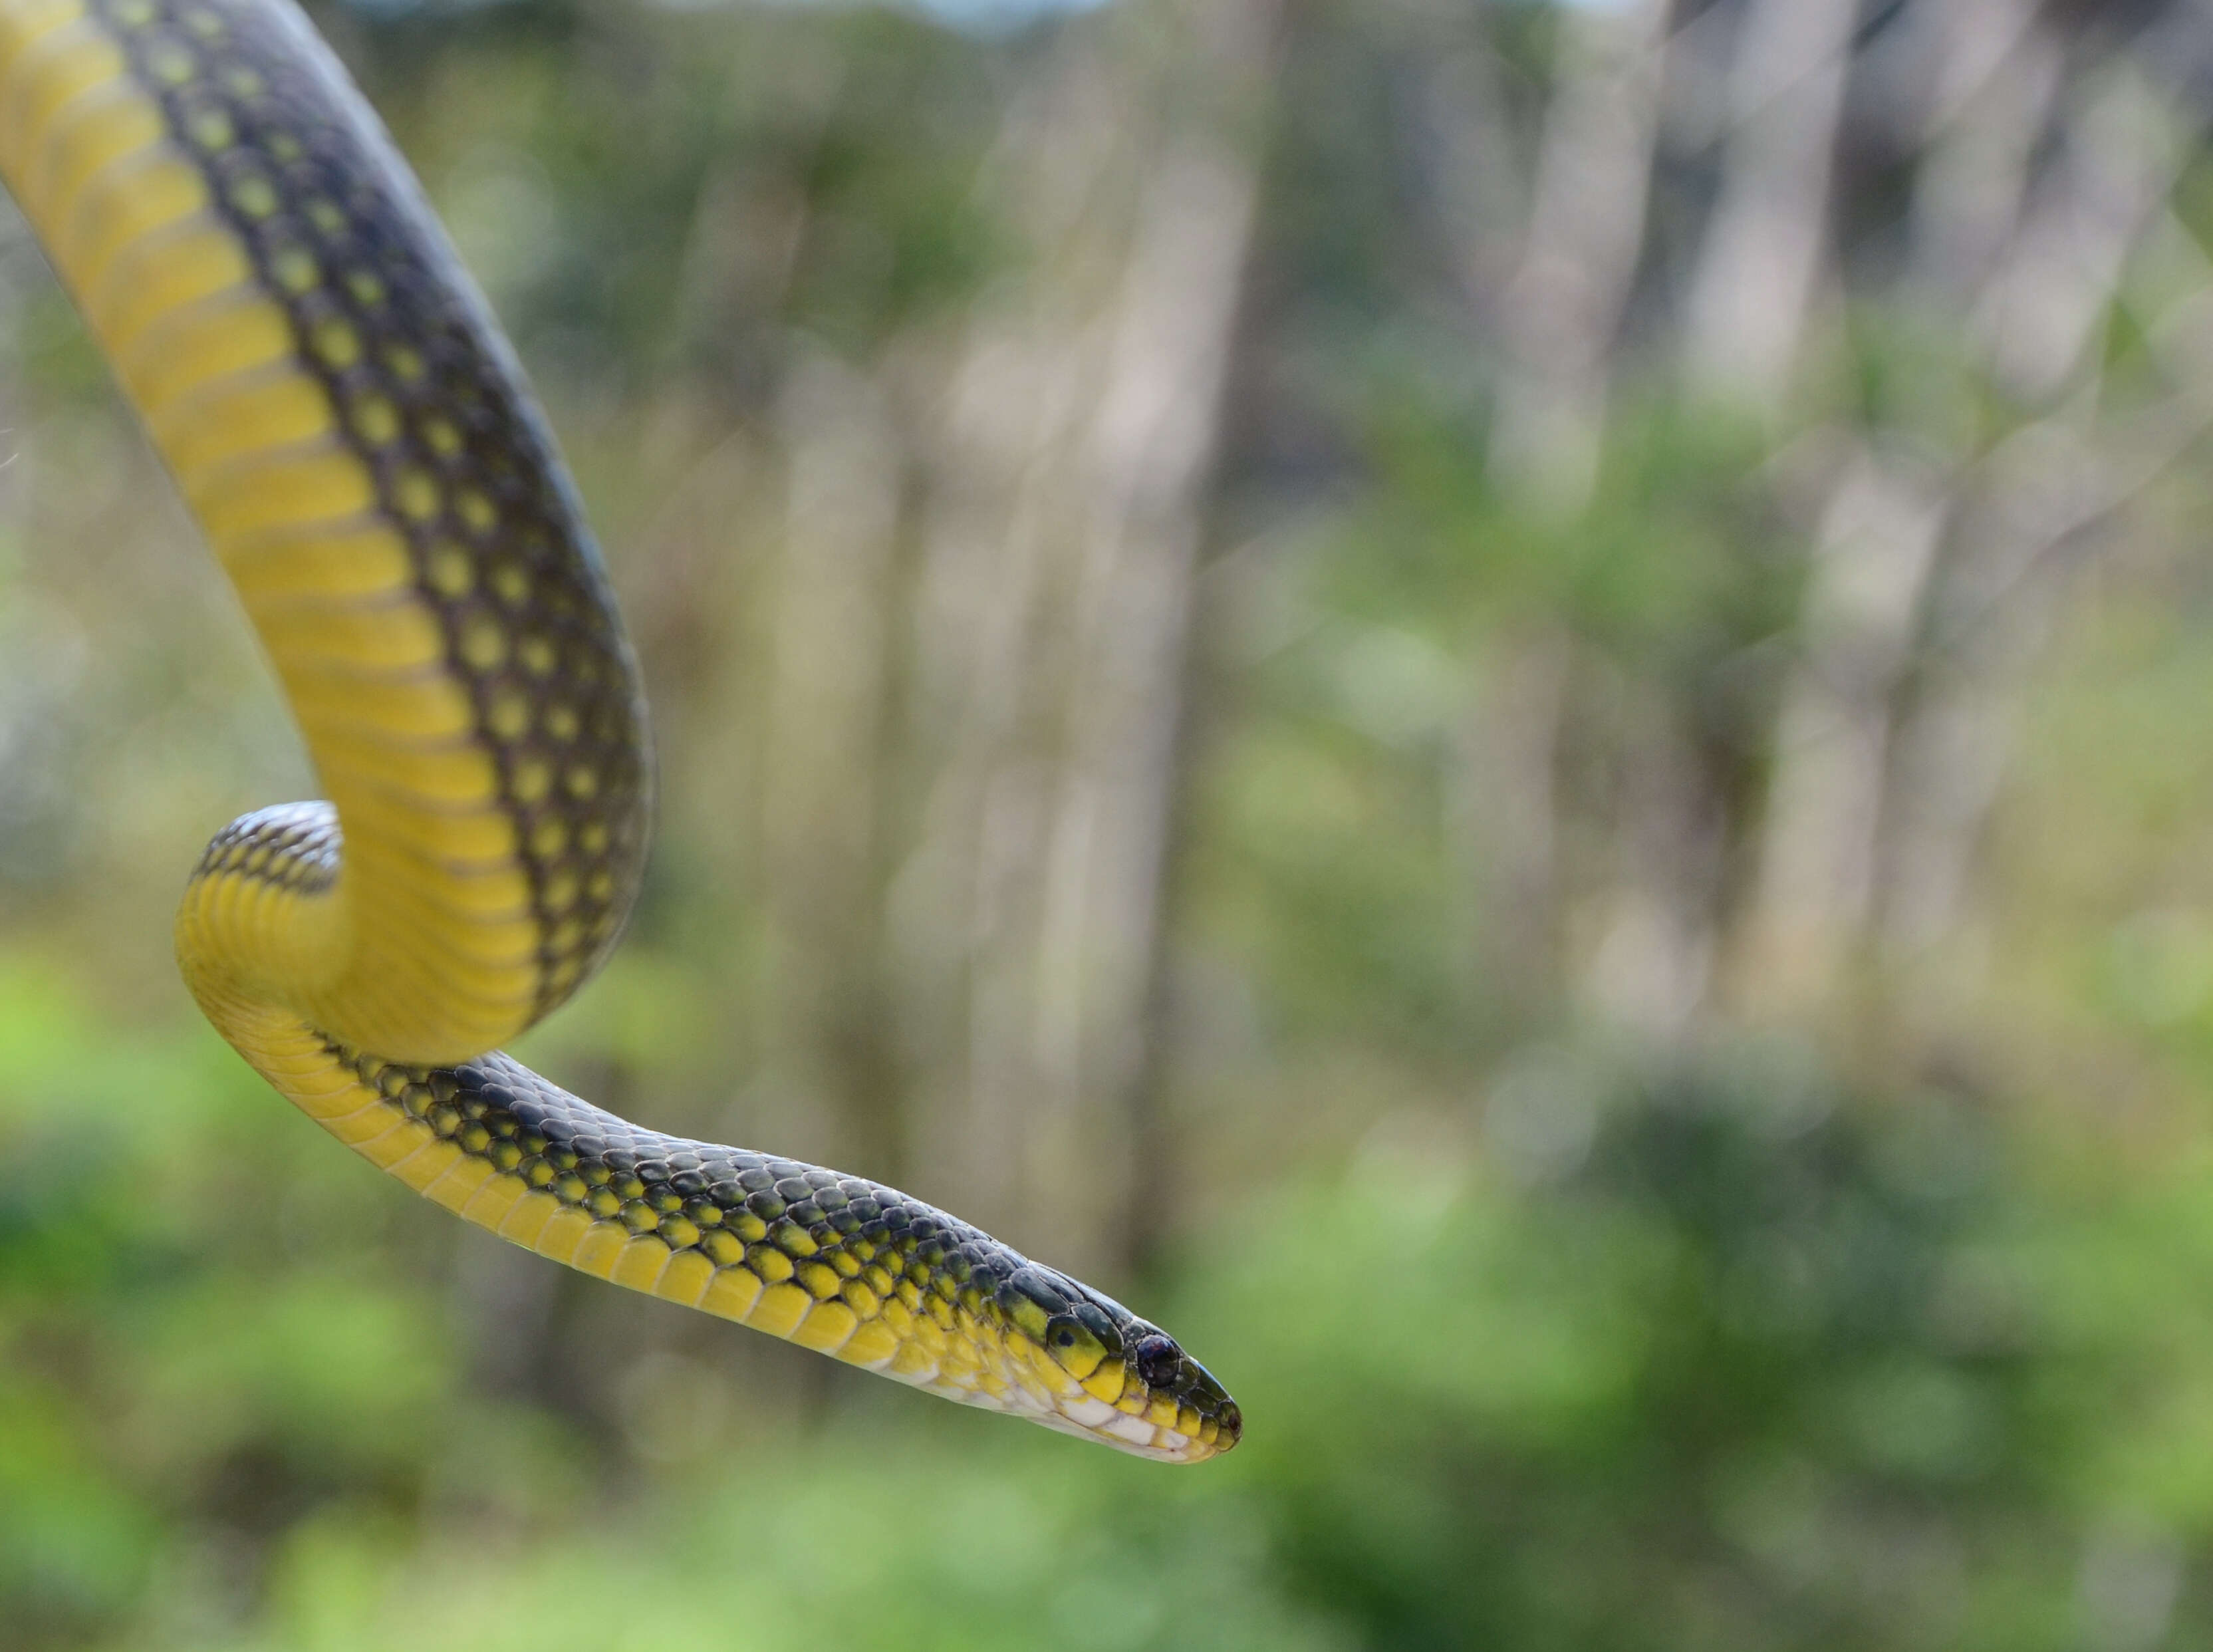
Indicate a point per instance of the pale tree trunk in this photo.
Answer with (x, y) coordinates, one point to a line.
(1880, 537)
(1652, 956)
(1654, 925)
(2041, 490)
(1997, 75)
(1502, 802)
(1557, 317)
(828, 1076)
(1872, 557)
(1071, 475)
(1762, 255)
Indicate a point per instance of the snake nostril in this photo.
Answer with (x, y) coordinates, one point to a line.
(1158, 1360)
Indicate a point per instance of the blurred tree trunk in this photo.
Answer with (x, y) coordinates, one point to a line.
(1557, 318)
(1891, 741)
(1762, 258)
(1872, 552)
(1068, 482)
(1880, 536)
(824, 1035)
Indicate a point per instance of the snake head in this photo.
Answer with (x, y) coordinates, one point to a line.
(1108, 1375)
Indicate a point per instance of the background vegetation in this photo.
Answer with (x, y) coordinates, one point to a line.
(1508, 706)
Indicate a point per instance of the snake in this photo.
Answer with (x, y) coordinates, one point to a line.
(357, 441)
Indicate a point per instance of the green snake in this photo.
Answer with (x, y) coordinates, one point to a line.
(359, 448)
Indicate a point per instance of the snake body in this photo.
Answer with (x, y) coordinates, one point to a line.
(361, 451)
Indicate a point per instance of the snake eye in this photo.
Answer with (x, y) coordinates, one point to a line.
(1074, 1347)
(1158, 1360)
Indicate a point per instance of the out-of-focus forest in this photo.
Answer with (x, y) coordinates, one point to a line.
(1507, 706)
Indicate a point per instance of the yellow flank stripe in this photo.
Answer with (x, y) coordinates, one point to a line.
(398, 1143)
(447, 876)
(229, 332)
(318, 481)
(122, 203)
(100, 127)
(224, 919)
(462, 777)
(390, 638)
(412, 829)
(686, 1279)
(457, 1184)
(780, 1309)
(460, 838)
(397, 1001)
(498, 943)
(295, 1056)
(597, 1251)
(25, 22)
(44, 75)
(324, 1095)
(640, 1265)
(914, 1362)
(186, 262)
(242, 418)
(420, 1168)
(524, 1224)
(731, 1293)
(362, 1125)
(563, 1231)
(827, 1328)
(425, 712)
(871, 1344)
(315, 1080)
(349, 1113)
(409, 1007)
(333, 559)
(489, 1206)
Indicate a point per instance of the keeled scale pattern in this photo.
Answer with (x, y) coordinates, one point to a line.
(294, 846)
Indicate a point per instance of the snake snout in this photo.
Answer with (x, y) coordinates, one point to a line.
(1114, 1377)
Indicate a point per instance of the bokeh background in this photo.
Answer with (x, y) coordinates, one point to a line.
(1508, 706)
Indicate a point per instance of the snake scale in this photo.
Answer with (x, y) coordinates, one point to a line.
(361, 451)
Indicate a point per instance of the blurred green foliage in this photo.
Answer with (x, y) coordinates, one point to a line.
(1713, 1358)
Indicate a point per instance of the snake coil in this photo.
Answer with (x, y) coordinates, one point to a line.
(360, 449)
